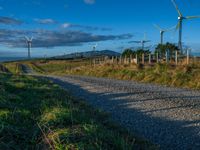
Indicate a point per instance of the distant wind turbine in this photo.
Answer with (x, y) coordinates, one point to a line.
(94, 47)
(180, 22)
(162, 31)
(29, 43)
(142, 42)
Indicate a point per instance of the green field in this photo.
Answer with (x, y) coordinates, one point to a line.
(37, 114)
(185, 76)
(162, 74)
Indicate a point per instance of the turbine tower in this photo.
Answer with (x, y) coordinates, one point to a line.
(142, 42)
(162, 31)
(180, 24)
(29, 43)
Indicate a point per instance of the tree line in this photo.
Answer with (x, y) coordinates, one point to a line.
(161, 49)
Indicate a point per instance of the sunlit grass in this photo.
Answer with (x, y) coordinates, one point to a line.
(37, 114)
(187, 76)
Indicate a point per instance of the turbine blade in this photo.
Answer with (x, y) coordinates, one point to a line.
(157, 26)
(192, 17)
(176, 6)
(31, 39)
(171, 29)
(26, 38)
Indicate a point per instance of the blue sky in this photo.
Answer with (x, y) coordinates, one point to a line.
(65, 26)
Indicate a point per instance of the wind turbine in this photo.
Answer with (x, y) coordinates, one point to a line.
(29, 42)
(94, 47)
(162, 31)
(180, 23)
(142, 42)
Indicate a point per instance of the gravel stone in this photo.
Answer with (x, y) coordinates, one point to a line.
(166, 116)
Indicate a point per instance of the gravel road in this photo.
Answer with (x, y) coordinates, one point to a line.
(166, 116)
(26, 69)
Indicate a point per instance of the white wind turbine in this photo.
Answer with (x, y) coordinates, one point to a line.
(94, 47)
(29, 44)
(162, 31)
(142, 42)
(180, 23)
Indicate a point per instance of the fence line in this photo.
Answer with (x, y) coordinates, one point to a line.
(147, 59)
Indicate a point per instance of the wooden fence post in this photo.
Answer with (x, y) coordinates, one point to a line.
(176, 58)
(136, 59)
(150, 58)
(143, 61)
(188, 56)
(157, 57)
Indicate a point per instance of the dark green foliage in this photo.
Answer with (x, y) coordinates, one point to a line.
(130, 52)
(162, 48)
(139, 52)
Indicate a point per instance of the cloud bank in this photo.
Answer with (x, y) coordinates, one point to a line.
(9, 21)
(50, 39)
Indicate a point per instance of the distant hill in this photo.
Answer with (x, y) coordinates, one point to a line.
(8, 59)
(88, 54)
(196, 54)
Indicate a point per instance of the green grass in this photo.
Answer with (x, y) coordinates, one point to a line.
(186, 76)
(37, 114)
(13, 67)
(58, 66)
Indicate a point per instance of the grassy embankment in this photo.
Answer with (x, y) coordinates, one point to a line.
(14, 68)
(180, 76)
(37, 114)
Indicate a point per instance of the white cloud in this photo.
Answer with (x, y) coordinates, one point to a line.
(89, 1)
(66, 25)
(45, 21)
(83, 27)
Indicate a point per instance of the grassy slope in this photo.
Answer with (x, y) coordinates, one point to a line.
(184, 76)
(36, 114)
(181, 76)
